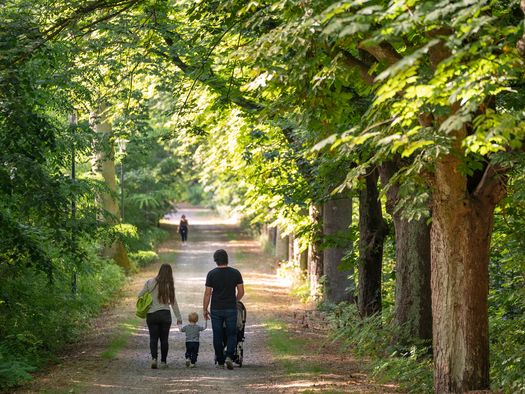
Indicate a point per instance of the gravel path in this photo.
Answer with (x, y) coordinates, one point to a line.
(83, 369)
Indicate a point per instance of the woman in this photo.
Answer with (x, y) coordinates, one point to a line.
(159, 315)
(183, 229)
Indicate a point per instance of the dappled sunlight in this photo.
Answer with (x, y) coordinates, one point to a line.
(199, 217)
(267, 302)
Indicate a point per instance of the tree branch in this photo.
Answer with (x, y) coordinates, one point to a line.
(217, 85)
(353, 62)
(493, 184)
(383, 51)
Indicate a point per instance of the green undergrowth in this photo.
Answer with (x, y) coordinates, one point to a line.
(290, 350)
(38, 320)
(372, 338)
(121, 338)
(411, 366)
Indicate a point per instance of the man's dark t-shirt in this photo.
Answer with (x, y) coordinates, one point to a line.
(223, 281)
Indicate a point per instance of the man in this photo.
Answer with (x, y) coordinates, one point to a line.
(224, 287)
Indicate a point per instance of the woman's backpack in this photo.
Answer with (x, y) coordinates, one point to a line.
(144, 303)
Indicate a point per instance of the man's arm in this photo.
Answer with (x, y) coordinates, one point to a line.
(206, 302)
(240, 291)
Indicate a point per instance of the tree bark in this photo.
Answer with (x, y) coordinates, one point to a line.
(272, 236)
(461, 230)
(104, 164)
(372, 230)
(281, 246)
(337, 218)
(413, 308)
(315, 254)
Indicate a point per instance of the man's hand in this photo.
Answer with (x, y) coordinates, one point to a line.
(206, 302)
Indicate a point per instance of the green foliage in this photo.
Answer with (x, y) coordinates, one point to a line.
(507, 295)
(38, 320)
(373, 338)
(144, 257)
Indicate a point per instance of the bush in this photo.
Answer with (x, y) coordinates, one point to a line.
(38, 316)
(144, 257)
(373, 338)
(148, 239)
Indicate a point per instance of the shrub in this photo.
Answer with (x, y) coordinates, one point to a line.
(144, 257)
(373, 338)
(38, 316)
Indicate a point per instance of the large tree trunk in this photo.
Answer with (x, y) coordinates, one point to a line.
(461, 228)
(104, 164)
(372, 230)
(337, 218)
(315, 254)
(413, 308)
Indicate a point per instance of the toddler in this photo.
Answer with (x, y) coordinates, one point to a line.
(192, 331)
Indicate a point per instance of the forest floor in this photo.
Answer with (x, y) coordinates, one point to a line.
(113, 355)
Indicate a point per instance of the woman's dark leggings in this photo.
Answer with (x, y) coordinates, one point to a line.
(183, 234)
(159, 324)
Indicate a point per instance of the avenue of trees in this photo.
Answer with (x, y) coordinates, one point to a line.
(376, 145)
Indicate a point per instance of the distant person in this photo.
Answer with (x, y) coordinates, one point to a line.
(183, 229)
(193, 331)
(158, 318)
(224, 286)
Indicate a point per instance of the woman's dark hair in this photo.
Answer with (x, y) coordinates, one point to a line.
(165, 284)
(220, 257)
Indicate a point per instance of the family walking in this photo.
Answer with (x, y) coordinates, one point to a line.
(223, 289)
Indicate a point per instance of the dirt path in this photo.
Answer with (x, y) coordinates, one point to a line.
(85, 370)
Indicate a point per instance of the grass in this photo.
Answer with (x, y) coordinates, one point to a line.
(121, 338)
(289, 350)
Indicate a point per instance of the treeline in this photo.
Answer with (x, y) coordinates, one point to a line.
(378, 143)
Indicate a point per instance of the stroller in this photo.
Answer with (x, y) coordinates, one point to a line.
(239, 347)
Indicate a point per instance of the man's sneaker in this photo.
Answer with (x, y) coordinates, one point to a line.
(192, 365)
(220, 366)
(154, 363)
(187, 362)
(163, 365)
(229, 363)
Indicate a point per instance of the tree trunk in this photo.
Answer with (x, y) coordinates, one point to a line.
(104, 164)
(315, 254)
(461, 229)
(372, 230)
(281, 246)
(337, 218)
(413, 308)
(291, 250)
(301, 257)
(272, 236)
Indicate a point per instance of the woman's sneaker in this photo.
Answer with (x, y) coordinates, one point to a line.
(188, 362)
(154, 363)
(163, 365)
(229, 363)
